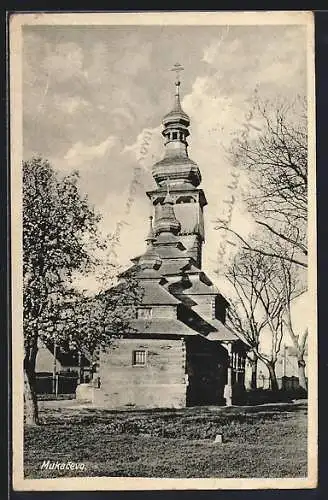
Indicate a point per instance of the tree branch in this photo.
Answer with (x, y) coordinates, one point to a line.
(261, 251)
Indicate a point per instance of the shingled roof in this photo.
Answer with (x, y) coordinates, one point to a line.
(221, 332)
(139, 272)
(170, 252)
(167, 326)
(200, 288)
(212, 329)
(163, 326)
(155, 294)
(175, 266)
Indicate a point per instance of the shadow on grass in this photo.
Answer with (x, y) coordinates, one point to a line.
(261, 441)
(195, 423)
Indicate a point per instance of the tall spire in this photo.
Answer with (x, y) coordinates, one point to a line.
(177, 68)
(176, 164)
(150, 236)
(178, 202)
(150, 259)
(177, 114)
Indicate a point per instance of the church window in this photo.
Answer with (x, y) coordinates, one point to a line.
(175, 135)
(186, 199)
(139, 358)
(144, 313)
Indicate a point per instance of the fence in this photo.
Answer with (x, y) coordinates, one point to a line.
(61, 383)
(285, 383)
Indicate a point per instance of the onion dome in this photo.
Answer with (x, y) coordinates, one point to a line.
(177, 115)
(150, 259)
(167, 222)
(176, 167)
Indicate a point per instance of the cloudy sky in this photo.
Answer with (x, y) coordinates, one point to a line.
(92, 92)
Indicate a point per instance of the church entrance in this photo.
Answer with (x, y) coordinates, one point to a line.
(207, 374)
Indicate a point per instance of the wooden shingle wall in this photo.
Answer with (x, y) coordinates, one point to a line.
(159, 383)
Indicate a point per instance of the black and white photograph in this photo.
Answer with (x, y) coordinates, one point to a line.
(163, 234)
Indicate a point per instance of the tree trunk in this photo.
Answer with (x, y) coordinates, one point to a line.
(273, 378)
(254, 373)
(30, 398)
(251, 378)
(301, 373)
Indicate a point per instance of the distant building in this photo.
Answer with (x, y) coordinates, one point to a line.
(59, 370)
(65, 360)
(179, 352)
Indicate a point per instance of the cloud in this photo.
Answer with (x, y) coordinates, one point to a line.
(214, 50)
(132, 218)
(93, 100)
(65, 60)
(80, 153)
(271, 57)
(70, 104)
(147, 148)
(132, 65)
(125, 114)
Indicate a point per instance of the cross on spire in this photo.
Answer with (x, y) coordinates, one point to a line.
(177, 68)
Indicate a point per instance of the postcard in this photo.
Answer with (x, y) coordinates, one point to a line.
(163, 232)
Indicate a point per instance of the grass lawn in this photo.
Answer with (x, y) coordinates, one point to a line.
(260, 441)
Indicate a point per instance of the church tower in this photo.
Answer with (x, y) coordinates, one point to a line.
(176, 350)
(181, 175)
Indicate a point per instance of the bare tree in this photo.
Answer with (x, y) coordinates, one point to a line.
(300, 345)
(275, 160)
(293, 283)
(243, 312)
(258, 307)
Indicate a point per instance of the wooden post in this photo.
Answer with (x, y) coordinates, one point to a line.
(80, 368)
(228, 386)
(56, 385)
(54, 370)
(284, 367)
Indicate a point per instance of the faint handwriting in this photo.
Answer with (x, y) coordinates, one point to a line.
(135, 182)
(225, 222)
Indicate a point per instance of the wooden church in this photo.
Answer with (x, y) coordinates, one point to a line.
(179, 352)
